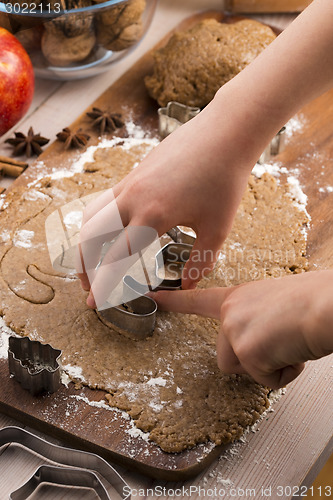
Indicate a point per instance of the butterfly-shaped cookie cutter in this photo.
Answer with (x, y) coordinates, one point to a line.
(136, 318)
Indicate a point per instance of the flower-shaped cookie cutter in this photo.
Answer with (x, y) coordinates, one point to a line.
(136, 318)
(275, 147)
(34, 365)
(173, 116)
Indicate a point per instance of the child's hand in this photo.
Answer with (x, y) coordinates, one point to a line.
(268, 328)
(197, 175)
(192, 179)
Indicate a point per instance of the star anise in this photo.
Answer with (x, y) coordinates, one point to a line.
(30, 144)
(72, 139)
(105, 121)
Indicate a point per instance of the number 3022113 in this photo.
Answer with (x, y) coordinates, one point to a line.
(32, 8)
(302, 491)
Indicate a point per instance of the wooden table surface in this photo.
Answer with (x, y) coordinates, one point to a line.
(292, 443)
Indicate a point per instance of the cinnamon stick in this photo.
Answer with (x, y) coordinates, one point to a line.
(11, 161)
(10, 170)
(10, 167)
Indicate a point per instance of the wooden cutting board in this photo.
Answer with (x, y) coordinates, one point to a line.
(104, 431)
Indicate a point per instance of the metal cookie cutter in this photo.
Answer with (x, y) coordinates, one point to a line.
(136, 319)
(34, 365)
(77, 467)
(61, 476)
(180, 236)
(275, 147)
(173, 116)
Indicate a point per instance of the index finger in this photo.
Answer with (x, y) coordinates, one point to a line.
(100, 201)
(204, 302)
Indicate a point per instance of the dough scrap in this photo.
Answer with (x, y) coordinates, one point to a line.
(169, 383)
(196, 63)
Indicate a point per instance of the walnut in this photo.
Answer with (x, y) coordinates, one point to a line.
(31, 39)
(73, 25)
(121, 26)
(61, 50)
(69, 38)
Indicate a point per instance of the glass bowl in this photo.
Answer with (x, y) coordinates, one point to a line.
(72, 39)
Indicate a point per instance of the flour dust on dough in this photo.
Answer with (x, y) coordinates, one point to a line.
(169, 383)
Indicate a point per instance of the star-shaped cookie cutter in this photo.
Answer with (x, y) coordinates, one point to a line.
(136, 318)
(34, 365)
(173, 116)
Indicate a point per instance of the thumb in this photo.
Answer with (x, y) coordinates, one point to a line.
(288, 374)
(201, 262)
(204, 302)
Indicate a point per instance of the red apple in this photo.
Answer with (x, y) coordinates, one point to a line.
(17, 81)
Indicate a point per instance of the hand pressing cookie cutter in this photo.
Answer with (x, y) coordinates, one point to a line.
(75, 465)
(34, 365)
(136, 319)
(275, 147)
(173, 116)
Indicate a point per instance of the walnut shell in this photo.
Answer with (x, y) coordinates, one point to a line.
(126, 38)
(31, 39)
(121, 26)
(61, 50)
(73, 25)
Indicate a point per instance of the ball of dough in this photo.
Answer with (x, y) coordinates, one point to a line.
(196, 63)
